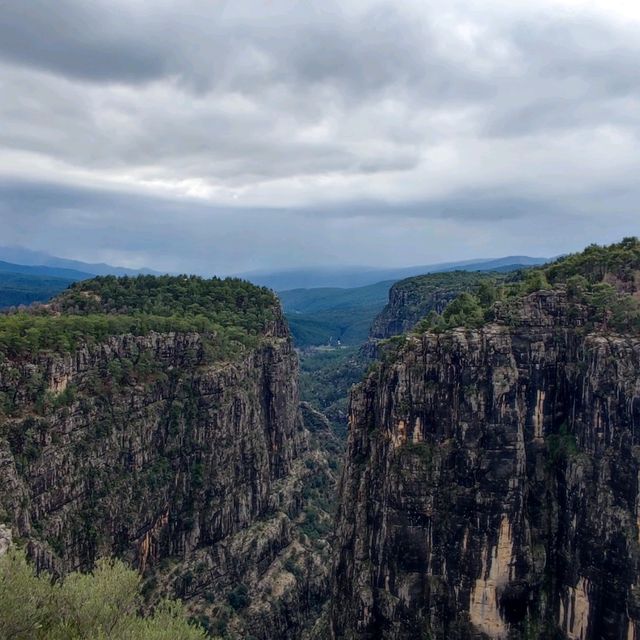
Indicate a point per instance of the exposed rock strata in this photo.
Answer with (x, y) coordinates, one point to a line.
(491, 484)
(193, 470)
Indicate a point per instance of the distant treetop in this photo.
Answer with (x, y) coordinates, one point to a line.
(604, 279)
(233, 311)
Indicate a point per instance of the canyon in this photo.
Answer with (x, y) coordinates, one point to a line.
(489, 488)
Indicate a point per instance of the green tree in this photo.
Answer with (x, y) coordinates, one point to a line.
(464, 311)
(487, 293)
(535, 280)
(102, 605)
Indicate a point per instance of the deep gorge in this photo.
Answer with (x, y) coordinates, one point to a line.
(489, 486)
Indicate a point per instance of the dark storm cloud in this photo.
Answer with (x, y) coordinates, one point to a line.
(242, 46)
(81, 39)
(219, 135)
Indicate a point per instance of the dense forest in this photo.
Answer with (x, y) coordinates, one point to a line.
(230, 312)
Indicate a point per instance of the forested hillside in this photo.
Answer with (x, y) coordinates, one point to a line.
(230, 313)
(333, 315)
(24, 284)
(18, 289)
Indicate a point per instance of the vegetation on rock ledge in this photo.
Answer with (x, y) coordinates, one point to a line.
(231, 312)
(604, 279)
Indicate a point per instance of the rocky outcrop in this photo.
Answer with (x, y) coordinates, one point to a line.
(412, 299)
(195, 470)
(491, 486)
(143, 451)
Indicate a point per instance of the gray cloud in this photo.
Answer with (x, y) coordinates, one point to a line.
(242, 46)
(179, 235)
(84, 40)
(232, 135)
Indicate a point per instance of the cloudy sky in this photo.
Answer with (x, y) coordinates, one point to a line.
(223, 136)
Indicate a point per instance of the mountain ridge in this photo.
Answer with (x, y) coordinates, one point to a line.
(354, 277)
(28, 257)
(43, 270)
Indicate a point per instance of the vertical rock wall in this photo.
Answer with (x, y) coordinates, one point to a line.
(191, 469)
(491, 485)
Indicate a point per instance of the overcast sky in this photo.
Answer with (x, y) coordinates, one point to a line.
(223, 136)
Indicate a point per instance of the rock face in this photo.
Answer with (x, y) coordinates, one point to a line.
(412, 299)
(491, 487)
(193, 470)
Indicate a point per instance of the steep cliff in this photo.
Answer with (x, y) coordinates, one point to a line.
(177, 445)
(491, 486)
(412, 299)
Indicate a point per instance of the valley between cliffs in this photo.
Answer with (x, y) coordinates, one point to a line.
(490, 488)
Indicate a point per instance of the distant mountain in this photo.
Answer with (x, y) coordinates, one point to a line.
(331, 314)
(40, 270)
(350, 277)
(22, 256)
(23, 289)
(334, 298)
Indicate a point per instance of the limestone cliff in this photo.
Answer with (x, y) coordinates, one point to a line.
(195, 468)
(491, 486)
(412, 299)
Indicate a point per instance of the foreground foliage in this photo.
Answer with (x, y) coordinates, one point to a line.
(100, 605)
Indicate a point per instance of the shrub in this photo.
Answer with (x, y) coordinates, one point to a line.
(464, 311)
(561, 446)
(238, 597)
(103, 604)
